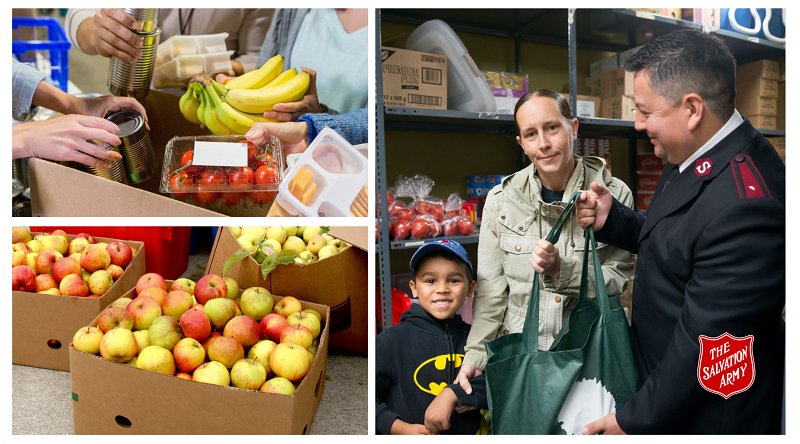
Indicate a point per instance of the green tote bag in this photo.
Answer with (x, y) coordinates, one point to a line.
(587, 373)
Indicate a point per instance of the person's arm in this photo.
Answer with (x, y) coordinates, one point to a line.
(65, 139)
(110, 34)
(24, 82)
(491, 297)
(622, 227)
(73, 21)
(732, 289)
(50, 97)
(617, 264)
(477, 398)
(352, 126)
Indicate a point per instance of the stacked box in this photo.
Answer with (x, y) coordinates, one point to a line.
(597, 147)
(648, 173)
(780, 146)
(615, 89)
(757, 92)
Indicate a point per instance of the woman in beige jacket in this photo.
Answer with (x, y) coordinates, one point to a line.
(517, 217)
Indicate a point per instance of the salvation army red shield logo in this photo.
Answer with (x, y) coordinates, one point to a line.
(725, 366)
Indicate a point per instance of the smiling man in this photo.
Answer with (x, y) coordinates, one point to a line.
(711, 251)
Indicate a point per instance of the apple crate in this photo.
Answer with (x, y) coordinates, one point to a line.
(110, 398)
(217, 172)
(43, 324)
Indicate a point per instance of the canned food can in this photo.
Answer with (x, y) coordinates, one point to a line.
(22, 209)
(115, 173)
(16, 188)
(138, 157)
(146, 19)
(133, 79)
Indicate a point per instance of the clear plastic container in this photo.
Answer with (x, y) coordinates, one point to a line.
(182, 68)
(467, 90)
(189, 45)
(221, 185)
(334, 194)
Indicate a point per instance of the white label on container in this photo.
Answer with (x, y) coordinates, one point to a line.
(586, 108)
(223, 154)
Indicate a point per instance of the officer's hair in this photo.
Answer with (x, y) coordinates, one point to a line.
(561, 103)
(689, 61)
(444, 255)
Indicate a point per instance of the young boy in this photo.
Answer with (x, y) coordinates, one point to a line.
(420, 357)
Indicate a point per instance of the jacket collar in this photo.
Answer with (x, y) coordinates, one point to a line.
(685, 187)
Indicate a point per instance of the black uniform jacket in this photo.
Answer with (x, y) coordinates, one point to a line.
(711, 260)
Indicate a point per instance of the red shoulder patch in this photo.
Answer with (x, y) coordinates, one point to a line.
(749, 182)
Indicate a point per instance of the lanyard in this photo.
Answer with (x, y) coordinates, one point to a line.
(188, 19)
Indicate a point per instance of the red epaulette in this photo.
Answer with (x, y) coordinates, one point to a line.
(748, 179)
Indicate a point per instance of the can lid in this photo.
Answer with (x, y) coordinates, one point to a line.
(16, 188)
(27, 193)
(131, 125)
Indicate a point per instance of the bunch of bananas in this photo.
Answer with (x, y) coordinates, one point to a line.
(234, 107)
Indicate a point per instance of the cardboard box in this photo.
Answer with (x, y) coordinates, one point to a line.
(339, 281)
(414, 79)
(112, 398)
(780, 146)
(766, 69)
(587, 106)
(601, 66)
(619, 107)
(625, 55)
(647, 181)
(57, 190)
(643, 199)
(38, 319)
(649, 162)
(599, 85)
(598, 147)
(622, 83)
(764, 122)
(757, 87)
(755, 105)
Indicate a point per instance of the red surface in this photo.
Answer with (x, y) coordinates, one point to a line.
(400, 303)
(166, 248)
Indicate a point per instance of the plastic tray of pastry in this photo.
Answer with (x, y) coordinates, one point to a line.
(329, 180)
(222, 171)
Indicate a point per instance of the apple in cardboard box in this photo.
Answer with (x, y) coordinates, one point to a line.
(297, 334)
(256, 302)
(176, 303)
(142, 339)
(307, 320)
(244, 329)
(65, 266)
(184, 284)
(260, 352)
(287, 306)
(94, 257)
(271, 326)
(115, 271)
(150, 280)
(195, 324)
(290, 361)
(144, 310)
(119, 345)
(20, 234)
(46, 282)
(120, 253)
(114, 317)
(58, 243)
(99, 282)
(46, 259)
(164, 332)
(225, 350)
(156, 293)
(210, 287)
(219, 312)
(248, 374)
(77, 246)
(189, 354)
(73, 285)
(212, 373)
(279, 386)
(23, 278)
(156, 359)
(87, 339)
(205, 343)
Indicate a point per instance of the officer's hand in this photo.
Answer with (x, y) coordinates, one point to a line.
(437, 416)
(593, 207)
(545, 259)
(466, 373)
(607, 425)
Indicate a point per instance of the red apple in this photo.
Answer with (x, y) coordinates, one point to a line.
(120, 253)
(225, 350)
(144, 310)
(156, 293)
(278, 385)
(210, 287)
(244, 329)
(287, 306)
(23, 278)
(297, 334)
(184, 375)
(114, 317)
(115, 271)
(189, 354)
(20, 234)
(53, 291)
(73, 285)
(100, 282)
(195, 325)
(45, 282)
(176, 303)
(271, 326)
(88, 237)
(94, 258)
(150, 280)
(21, 246)
(290, 361)
(205, 343)
(65, 266)
(46, 259)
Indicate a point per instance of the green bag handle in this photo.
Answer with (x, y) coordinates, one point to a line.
(531, 328)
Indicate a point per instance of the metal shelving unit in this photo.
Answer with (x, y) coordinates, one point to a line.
(612, 30)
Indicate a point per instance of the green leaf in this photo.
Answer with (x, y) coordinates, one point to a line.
(235, 257)
(325, 230)
(273, 260)
(200, 266)
(328, 378)
(195, 277)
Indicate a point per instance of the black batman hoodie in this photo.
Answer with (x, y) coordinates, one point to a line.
(414, 361)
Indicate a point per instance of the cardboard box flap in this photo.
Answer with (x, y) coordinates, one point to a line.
(357, 236)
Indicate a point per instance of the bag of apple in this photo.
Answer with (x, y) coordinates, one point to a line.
(452, 207)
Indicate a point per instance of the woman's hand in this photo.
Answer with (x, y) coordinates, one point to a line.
(112, 35)
(545, 259)
(101, 106)
(65, 139)
(466, 373)
(293, 135)
(290, 112)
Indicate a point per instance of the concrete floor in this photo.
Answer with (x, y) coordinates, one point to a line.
(41, 403)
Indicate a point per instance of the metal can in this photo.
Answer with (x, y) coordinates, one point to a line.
(19, 170)
(117, 170)
(133, 79)
(138, 157)
(16, 189)
(146, 19)
(21, 209)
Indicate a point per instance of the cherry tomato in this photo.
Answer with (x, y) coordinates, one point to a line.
(437, 212)
(401, 229)
(252, 152)
(450, 227)
(212, 178)
(205, 197)
(267, 174)
(264, 159)
(465, 226)
(420, 229)
(241, 178)
(186, 159)
(178, 182)
(261, 197)
(232, 199)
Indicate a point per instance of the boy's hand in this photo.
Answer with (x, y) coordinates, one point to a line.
(437, 416)
(400, 427)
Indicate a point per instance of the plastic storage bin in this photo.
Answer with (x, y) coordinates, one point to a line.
(400, 303)
(467, 90)
(50, 54)
(167, 248)
(190, 44)
(184, 67)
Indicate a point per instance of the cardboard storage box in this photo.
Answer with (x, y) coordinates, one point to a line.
(57, 190)
(780, 146)
(619, 107)
(757, 87)
(604, 65)
(109, 398)
(764, 122)
(647, 181)
(599, 85)
(754, 105)
(766, 69)
(414, 79)
(643, 199)
(339, 281)
(622, 83)
(587, 106)
(625, 55)
(43, 325)
(649, 162)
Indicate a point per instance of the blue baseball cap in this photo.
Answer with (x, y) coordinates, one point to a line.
(440, 245)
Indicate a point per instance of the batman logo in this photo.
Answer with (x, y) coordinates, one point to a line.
(431, 377)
